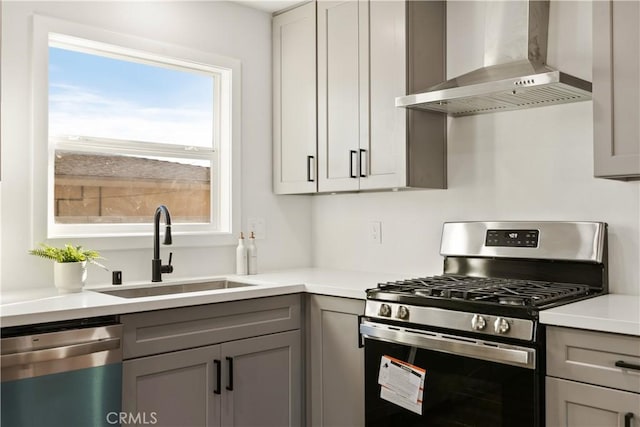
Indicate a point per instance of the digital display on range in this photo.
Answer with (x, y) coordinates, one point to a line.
(512, 238)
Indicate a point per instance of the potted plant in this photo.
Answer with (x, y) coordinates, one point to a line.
(70, 265)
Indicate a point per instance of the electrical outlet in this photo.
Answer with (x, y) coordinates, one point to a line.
(375, 232)
(258, 226)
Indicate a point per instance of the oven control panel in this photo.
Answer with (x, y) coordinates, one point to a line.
(512, 238)
(423, 316)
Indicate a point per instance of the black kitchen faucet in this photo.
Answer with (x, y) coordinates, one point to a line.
(156, 264)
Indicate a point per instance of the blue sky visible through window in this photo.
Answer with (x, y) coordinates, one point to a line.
(92, 95)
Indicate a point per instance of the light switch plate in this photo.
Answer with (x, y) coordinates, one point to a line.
(375, 232)
(258, 226)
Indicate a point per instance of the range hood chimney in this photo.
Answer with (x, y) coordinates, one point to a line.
(515, 75)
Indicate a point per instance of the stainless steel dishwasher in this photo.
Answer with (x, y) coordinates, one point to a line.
(62, 374)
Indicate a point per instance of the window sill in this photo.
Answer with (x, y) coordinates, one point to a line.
(145, 241)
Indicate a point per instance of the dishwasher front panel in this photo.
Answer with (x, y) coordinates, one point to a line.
(88, 397)
(68, 377)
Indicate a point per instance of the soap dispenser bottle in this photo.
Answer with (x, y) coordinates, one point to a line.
(252, 255)
(241, 256)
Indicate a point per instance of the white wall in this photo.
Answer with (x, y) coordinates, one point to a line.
(219, 27)
(534, 164)
(524, 165)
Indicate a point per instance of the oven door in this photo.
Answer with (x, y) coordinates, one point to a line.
(467, 382)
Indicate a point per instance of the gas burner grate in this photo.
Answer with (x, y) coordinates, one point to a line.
(494, 290)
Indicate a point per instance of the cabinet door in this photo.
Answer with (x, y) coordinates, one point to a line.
(342, 113)
(173, 389)
(336, 362)
(294, 101)
(384, 156)
(265, 378)
(574, 404)
(616, 88)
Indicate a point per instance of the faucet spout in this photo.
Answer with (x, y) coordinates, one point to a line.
(156, 264)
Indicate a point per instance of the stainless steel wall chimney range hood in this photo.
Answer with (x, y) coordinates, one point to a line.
(514, 76)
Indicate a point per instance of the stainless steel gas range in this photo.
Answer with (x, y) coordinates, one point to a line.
(465, 348)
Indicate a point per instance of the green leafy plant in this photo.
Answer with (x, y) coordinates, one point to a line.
(69, 253)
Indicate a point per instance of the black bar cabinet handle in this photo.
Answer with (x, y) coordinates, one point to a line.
(623, 364)
(230, 385)
(628, 418)
(218, 364)
(310, 178)
(351, 153)
(362, 153)
(360, 340)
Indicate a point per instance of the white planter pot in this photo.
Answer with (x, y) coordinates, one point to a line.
(69, 276)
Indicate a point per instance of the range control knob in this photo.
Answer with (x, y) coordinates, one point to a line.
(478, 322)
(385, 310)
(403, 313)
(501, 326)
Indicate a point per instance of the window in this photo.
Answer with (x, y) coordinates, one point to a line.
(129, 129)
(128, 136)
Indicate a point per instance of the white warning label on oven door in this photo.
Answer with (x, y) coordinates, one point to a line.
(401, 383)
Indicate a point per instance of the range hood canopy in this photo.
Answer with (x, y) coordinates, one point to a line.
(514, 76)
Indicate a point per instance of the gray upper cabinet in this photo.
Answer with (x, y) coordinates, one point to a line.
(616, 89)
(342, 107)
(342, 35)
(370, 52)
(341, 111)
(294, 101)
(335, 362)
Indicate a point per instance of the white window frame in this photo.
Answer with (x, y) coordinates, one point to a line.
(225, 179)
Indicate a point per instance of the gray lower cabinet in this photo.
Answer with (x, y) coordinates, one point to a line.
(267, 381)
(258, 384)
(249, 381)
(336, 362)
(593, 379)
(173, 389)
(571, 403)
(616, 89)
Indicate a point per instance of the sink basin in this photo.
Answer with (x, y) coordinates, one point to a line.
(174, 289)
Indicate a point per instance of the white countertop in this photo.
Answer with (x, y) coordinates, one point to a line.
(608, 313)
(46, 305)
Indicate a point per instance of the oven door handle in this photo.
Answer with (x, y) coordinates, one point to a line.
(507, 354)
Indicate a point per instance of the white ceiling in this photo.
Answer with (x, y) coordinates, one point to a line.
(269, 5)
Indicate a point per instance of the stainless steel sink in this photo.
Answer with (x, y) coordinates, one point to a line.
(174, 289)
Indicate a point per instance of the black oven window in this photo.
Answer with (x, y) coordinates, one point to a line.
(458, 391)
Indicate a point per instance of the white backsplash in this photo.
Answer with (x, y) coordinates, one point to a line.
(524, 165)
